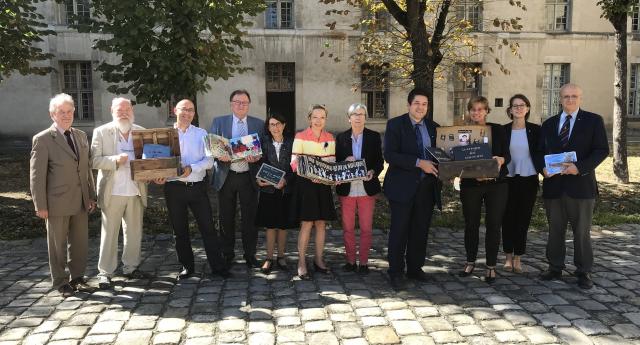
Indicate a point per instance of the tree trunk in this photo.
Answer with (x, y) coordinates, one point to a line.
(620, 167)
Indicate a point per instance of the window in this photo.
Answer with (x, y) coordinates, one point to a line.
(634, 92)
(557, 14)
(375, 91)
(281, 77)
(77, 83)
(279, 14)
(635, 14)
(470, 11)
(467, 83)
(77, 8)
(555, 75)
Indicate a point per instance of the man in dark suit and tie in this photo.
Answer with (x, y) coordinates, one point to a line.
(63, 194)
(237, 179)
(569, 196)
(412, 187)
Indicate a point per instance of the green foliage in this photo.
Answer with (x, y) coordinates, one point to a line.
(168, 49)
(20, 28)
(614, 8)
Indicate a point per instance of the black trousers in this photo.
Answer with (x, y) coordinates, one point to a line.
(409, 231)
(180, 198)
(579, 213)
(494, 196)
(517, 215)
(238, 185)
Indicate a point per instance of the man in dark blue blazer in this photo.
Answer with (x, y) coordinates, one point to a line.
(237, 179)
(569, 196)
(412, 187)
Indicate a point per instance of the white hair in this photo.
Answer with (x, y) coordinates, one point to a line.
(356, 106)
(60, 99)
(117, 100)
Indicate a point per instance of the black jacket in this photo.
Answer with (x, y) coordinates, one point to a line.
(270, 157)
(589, 140)
(371, 153)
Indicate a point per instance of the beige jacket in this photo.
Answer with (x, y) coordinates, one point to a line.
(104, 154)
(61, 182)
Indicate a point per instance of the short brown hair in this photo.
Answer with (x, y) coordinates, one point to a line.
(479, 99)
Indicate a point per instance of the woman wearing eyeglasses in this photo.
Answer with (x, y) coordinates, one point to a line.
(522, 137)
(274, 201)
(359, 143)
(490, 191)
(313, 200)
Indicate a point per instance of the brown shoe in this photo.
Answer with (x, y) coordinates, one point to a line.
(80, 284)
(66, 290)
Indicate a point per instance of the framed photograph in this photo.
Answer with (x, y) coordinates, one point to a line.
(270, 174)
(234, 149)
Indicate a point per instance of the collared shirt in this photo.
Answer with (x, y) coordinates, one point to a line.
(424, 132)
(240, 166)
(192, 153)
(357, 187)
(563, 116)
(65, 138)
(123, 185)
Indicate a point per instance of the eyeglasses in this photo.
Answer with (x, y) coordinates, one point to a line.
(357, 114)
(275, 124)
(568, 97)
(518, 106)
(187, 110)
(240, 103)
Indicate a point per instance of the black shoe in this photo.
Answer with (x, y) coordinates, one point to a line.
(363, 269)
(104, 282)
(186, 273)
(550, 275)
(224, 274)
(320, 269)
(252, 262)
(490, 276)
(266, 266)
(397, 283)
(281, 263)
(349, 267)
(467, 270)
(80, 284)
(137, 274)
(66, 290)
(584, 281)
(418, 276)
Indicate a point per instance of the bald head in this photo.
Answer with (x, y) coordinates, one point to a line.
(185, 111)
(570, 97)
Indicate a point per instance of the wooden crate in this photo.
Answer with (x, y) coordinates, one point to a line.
(152, 168)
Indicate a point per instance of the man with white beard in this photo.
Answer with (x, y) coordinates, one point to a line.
(121, 199)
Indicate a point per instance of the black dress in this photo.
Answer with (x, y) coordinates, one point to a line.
(313, 201)
(274, 204)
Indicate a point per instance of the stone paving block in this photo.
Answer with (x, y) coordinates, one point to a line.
(36, 339)
(47, 326)
(572, 336)
(70, 332)
(372, 311)
(138, 322)
(289, 336)
(484, 313)
(633, 317)
(167, 338)
(288, 321)
(572, 312)
(552, 299)
(106, 327)
(323, 339)
(591, 305)
(497, 325)
(371, 321)
(262, 339)
(115, 315)
(313, 314)
(611, 339)
(537, 335)
(99, 339)
(519, 318)
(14, 334)
(232, 325)
(134, 338)
(400, 314)
(292, 311)
(432, 324)
(393, 305)
(347, 330)
(318, 326)
(417, 340)
(407, 327)
(346, 317)
(442, 337)
(591, 327)
(627, 330)
(510, 337)
(426, 311)
(552, 320)
(355, 341)
(469, 330)
(261, 327)
(231, 337)
(381, 335)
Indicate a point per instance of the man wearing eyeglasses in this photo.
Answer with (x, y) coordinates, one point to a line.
(189, 191)
(569, 196)
(233, 180)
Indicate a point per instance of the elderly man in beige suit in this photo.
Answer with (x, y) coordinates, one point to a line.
(63, 194)
(121, 199)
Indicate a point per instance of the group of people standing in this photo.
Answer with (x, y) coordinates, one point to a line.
(64, 192)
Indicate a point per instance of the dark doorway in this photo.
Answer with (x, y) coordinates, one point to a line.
(281, 96)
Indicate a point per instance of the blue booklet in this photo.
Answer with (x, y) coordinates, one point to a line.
(155, 151)
(554, 162)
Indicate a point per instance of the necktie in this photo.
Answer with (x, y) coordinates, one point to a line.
(419, 142)
(242, 128)
(242, 165)
(564, 131)
(67, 134)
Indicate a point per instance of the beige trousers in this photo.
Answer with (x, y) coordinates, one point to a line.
(67, 241)
(125, 210)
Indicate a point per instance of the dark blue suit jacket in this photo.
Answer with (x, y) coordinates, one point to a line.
(371, 153)
(589, 140)
(401, 151)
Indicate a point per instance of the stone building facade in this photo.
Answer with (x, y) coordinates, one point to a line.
(561, 41)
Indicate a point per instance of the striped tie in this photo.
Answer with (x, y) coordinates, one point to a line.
(564, 131)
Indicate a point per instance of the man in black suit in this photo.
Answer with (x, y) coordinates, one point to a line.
(569, 196)
(411, 186)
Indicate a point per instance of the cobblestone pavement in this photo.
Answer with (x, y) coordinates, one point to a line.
(344, 308)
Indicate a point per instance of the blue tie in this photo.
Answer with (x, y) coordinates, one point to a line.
(419, 142)
(564, 131)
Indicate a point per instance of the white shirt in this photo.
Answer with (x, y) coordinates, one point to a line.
(357, 187)
(65, 137)
(521, 163)
(123, 185)
(563, 116)
(192, 153)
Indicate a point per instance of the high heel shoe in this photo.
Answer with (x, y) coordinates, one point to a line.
(320, 269)
(303, 276)
(269, 266)
(490, 276)
(464, 272)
